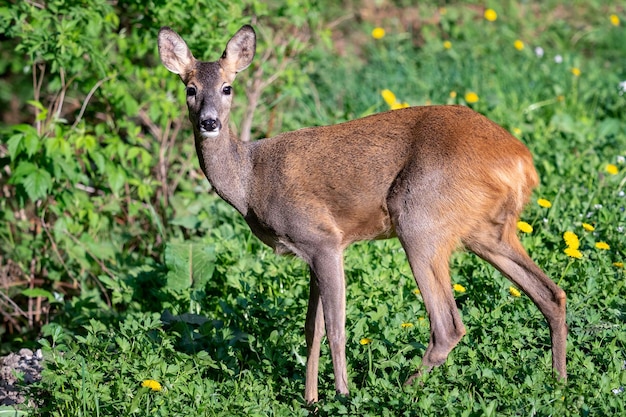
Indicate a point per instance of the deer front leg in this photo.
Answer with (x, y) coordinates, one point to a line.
(327, 270)
(314, 330)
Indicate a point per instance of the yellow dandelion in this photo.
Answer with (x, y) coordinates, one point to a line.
(544, 203)
(614, 19)
(518, 44)
(458, 288)
(152, 384)
(573, 253)
(406, 325)
(571, 240)
(618, 264)
(524, 227)
(365, 341)
(491, 15)
(612, 169)
(576, 71)
(452, 94)
(416, 291)
(602, 246)
(515, 292)
(397, 105)
(588, 227)
(471, 97)
(378, 33)
(388, 96)
(517, 131)
(447, 44)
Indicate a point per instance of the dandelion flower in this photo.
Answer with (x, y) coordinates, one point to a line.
(365, 341)
(612, 169)
(416, 291)
(388, 96)
(397, 105)
(452, 94)
(517, 131)
(573, 253)
(618, 264)
(447, 44)
(588, 227)
(524, 227)
(602, 246)
(491, 15)
(518, 44)
(571, 240)
(471, 97)
(152, 384)
(576, 71)
(544, 203)
(378, 33)
(406, 325)
(514, 292)
(614, 19)
(458, 288)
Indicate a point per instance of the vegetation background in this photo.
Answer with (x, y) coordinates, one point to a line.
(150, 296)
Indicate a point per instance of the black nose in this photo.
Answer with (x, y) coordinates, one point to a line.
(210, 125)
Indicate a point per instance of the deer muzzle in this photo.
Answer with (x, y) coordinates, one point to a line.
(210, 128)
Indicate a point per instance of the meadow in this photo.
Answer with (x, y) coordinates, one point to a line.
(150, 296)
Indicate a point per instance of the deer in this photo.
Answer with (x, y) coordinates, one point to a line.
(437, 177)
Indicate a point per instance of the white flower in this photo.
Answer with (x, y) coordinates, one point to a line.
(558, 59)
(621, 158)
(539, 51)
(622, 88)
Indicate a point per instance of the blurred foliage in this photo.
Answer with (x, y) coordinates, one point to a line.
(94, 144)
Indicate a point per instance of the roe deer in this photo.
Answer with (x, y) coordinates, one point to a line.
(434, 176)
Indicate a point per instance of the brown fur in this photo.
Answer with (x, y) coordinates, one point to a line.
(436, 177)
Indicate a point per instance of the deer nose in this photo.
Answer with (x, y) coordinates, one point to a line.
(210, 125)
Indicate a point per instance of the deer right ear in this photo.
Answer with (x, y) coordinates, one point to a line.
(174, 53)
(239, 51)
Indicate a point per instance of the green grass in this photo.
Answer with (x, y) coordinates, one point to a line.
(228, 339)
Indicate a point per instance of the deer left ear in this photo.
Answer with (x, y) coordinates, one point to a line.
(239, 51)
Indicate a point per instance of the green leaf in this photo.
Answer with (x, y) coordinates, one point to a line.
(39, 292)
(13, 145)
(7, 411)
(37, 184)
(189, 265)
(36, 181)
(117, 178)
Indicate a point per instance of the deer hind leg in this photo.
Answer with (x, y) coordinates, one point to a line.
(498, 244)
(428, 252)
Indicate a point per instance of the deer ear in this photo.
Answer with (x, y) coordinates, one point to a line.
(174, 53)
(239, 51)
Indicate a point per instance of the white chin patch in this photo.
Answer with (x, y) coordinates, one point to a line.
(210, 134)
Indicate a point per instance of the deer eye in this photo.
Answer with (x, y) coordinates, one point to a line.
(227, 90)
(191, 91)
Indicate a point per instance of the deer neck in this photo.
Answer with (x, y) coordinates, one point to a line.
(226, 163)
